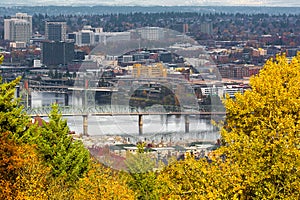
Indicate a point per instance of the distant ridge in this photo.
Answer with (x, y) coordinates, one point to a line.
(91, 10)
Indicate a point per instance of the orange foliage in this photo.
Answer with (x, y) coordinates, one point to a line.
(22, 176)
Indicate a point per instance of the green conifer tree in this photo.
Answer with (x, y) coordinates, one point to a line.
(22, 175)
(66, 157)
(12, 117)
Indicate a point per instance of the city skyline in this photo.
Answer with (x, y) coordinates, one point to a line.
(273, 3)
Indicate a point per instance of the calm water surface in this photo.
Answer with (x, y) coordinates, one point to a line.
(155, 127)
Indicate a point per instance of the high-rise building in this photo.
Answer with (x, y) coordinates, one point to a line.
(18, 28)
(56, 31)
(26, 17)
(56, 53)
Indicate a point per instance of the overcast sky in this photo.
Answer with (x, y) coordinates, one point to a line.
(283, 3)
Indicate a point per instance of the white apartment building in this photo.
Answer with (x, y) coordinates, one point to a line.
(221, 91)
(26, 17)
(85, 38)
(89, 36)
(152, 33)
(105, 37)
(18, 28)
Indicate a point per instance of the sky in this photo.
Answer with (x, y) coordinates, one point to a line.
(283, 3)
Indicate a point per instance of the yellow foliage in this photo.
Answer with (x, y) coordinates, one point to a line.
(191, 179)
(22, 176)
(261, 135)
(260, 156)
(102, 183)
(1, 59)
(59, 188)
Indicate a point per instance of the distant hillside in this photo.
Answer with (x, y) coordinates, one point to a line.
(91, 10)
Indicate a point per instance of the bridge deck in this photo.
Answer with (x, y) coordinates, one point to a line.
(134, 113)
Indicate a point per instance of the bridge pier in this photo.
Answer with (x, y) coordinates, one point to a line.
(140, 123)
(66, 99)
(28, 99)
(85, 125)
(187, 123)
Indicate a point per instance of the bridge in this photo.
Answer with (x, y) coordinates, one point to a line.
(66, 89)
(121, 97)
(119, 110)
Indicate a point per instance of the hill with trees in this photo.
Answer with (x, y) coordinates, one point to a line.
(259, 157)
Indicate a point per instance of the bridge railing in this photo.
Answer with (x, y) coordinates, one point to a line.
(119, 109)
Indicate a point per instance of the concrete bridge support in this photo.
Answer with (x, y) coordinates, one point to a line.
(66, 99)
(85, 125)
(187, 123)
(28, 99)
(140, 123)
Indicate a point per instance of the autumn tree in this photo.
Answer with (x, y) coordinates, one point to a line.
(22, 174)
(194, 179)
(1, 59)
(260, 155)
(261, 134)
(102, 183)
(65, 156)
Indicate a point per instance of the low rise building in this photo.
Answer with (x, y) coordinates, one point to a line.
(149, 71)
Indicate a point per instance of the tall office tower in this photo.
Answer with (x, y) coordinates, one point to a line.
(56, 53)
(26, 17)
(18, 28)
(56, 31)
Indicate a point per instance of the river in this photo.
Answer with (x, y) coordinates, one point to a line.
(156, 128)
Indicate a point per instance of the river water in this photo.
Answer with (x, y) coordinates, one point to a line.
(168, 128)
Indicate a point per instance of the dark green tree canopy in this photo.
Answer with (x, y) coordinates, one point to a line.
(66, 157)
